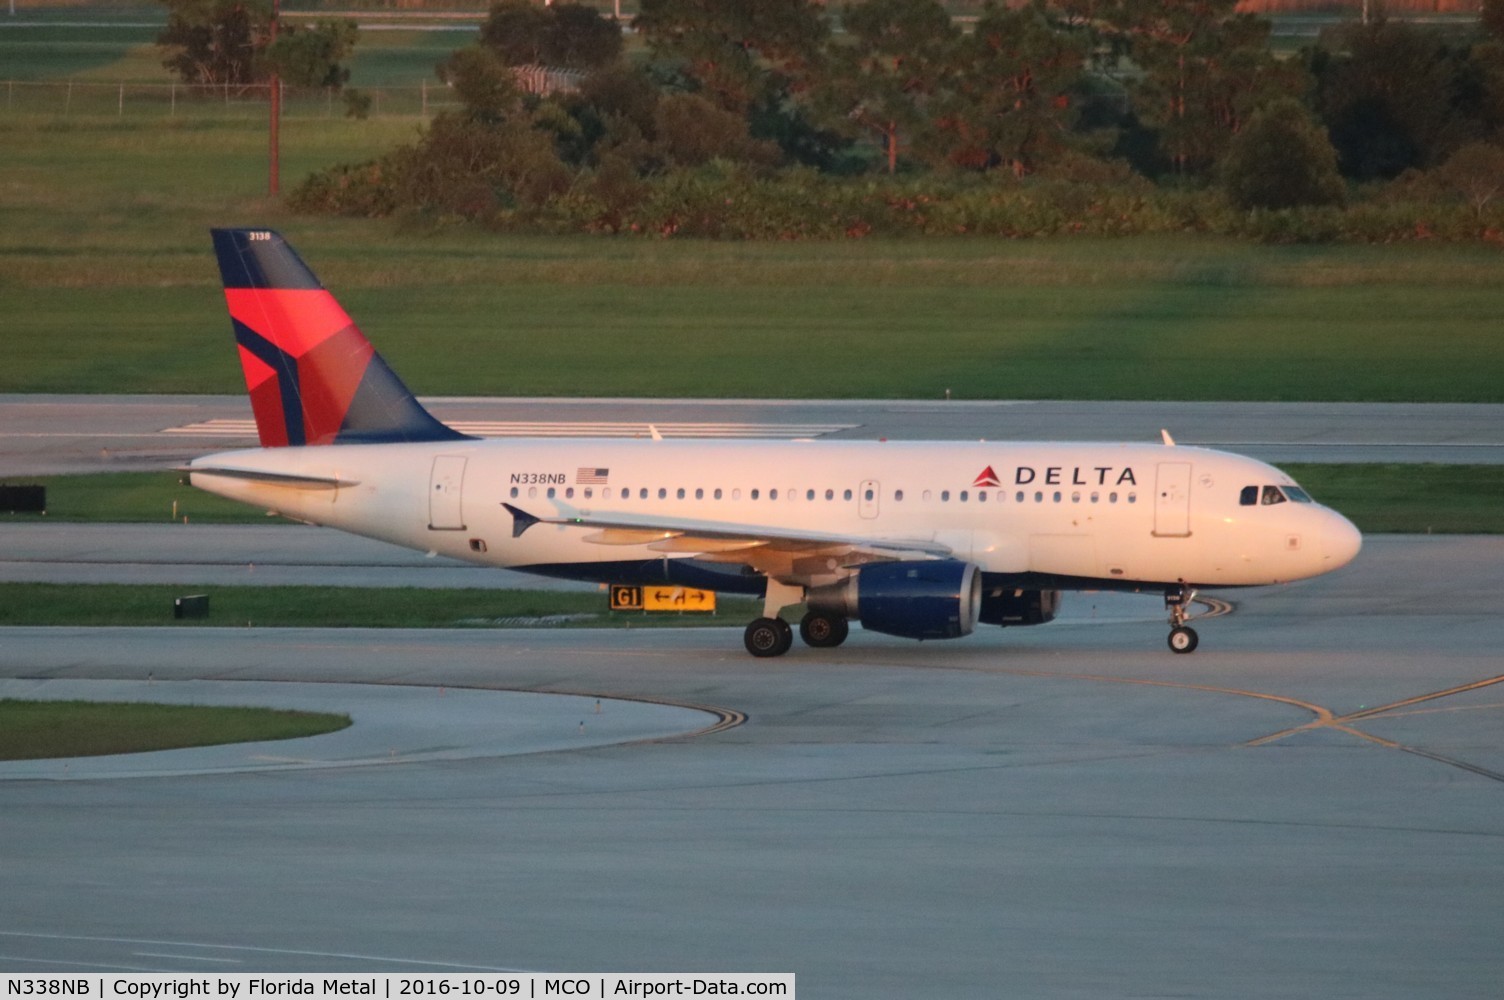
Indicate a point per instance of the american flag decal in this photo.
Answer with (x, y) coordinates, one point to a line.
(591, 477)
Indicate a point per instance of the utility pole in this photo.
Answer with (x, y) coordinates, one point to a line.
(274, 153)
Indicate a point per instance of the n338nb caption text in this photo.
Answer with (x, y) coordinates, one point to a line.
(392, 986)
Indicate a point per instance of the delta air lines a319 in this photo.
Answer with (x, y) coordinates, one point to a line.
(926, 540)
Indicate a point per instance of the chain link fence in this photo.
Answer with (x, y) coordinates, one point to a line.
(90, 98)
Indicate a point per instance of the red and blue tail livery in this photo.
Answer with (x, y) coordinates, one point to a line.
(313, 377)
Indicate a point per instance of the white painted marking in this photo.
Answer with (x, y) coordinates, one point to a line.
(229, 427)
(257, 951)
(188, 958)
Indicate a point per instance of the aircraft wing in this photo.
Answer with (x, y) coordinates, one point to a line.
(781, 552)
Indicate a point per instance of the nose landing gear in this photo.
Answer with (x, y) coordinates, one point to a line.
(1183, 638)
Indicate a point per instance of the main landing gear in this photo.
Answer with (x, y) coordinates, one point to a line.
(1183, 638)
(823, 631)
(774, 636)
(768, 637)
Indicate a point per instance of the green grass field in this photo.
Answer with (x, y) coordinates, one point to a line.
(39, 730)
(107, 283)
(132, 497)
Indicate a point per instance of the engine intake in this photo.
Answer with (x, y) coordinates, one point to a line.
(939, 599)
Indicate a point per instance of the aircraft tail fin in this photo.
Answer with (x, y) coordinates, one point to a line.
(313, 377)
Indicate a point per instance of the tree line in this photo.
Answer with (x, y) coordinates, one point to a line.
(788, 118)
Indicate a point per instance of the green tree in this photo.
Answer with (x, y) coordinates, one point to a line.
(1281, 159)
(1475, 173)
(1013, 101)
(888, 74)
(312, 55)
(1491, 18)
(569, 35)
(486, 87)
(230, 42)
(692, 130)
(1203, 68)
(738, 51)
(215, 41)
(1386, 91)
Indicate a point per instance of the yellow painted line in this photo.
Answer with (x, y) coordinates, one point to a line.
(1215, 608)
(1340, 723)
(1324, 717)
(1418, 699)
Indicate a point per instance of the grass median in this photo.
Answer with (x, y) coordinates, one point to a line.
(340, 607)
(39, 730)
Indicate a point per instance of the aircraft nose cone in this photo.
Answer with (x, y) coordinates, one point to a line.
(1341, 540)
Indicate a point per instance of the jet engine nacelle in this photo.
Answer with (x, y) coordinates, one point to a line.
(937, 599)
(1010, 606)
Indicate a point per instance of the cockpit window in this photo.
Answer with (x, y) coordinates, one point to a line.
(1267, 496)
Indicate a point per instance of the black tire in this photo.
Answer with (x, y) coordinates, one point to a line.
(1183, 639)
(768, 637)
(823, 631)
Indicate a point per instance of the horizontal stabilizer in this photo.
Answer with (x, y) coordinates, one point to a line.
(274, 478)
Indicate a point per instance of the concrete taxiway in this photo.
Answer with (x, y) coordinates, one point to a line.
(1312, 804)
(48, 434)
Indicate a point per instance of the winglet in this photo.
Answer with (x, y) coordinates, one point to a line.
(1169, 441)
(521, 520)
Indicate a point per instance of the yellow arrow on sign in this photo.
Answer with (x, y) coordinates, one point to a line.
(669, 598)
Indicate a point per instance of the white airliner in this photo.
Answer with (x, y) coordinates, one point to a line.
(925, 540)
